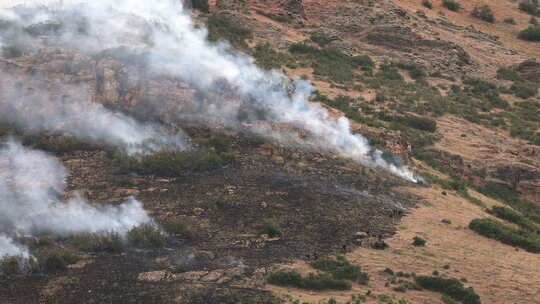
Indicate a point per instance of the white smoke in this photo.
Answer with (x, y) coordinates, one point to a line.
(31, 187)
(26, 101)
(174, 45)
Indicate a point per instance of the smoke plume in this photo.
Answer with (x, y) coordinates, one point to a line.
(52, 106)
(31, 188)
(172, 44)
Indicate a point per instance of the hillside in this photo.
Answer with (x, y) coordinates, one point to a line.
(178, 170)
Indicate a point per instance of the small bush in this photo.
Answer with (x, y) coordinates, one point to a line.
(59, 144)
(510, 21)
(532, 33)
(147, 236)
(533, 21)
(523, 90)
(450, 287)
(310, 282)
(110, 242)
(268, 58)
(514, 217)
(451, 5)
(340, 268)
(56, 259)
(177, 227)
(419, 242)
(172, 163)
(446, 221)
(506, 234)
(221, 26)
(321, 39)
(420, 123)
(201, 5)
(427, 4)
(271, 228)
(529, 7)
(415, 71)
(508, 74)
(483, 12)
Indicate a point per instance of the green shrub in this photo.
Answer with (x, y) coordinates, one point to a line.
(510, 21)
(201, 5)
(529, 7)
(147, 236)
(310, 282)
(506, 234)
(451, 5)
(533, 21)
(172, 163)
(11, 51)
(415, 71)
(109, 242)
(271, 228)
(389, 72)
(321, 39)
(514, 217)
(221, 26)
(418, 122)
(331, 62)
(483, 12)
(419, 242)
(177, 227)
(268, 58)
(508, 74)
(450, 287)
(427, 4)
(509, 196)
(532, 33)
(524, 90)
(59, 144)
(342, 269)
(55, 259)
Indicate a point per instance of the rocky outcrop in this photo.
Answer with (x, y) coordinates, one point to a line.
(530, 70)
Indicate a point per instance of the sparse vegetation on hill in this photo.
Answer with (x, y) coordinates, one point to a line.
(311, 281)
(484, 12)
(223, 27)
(452, 5)
(341, 268)
(450, 287)
(147, 236)
(490, 228)
(532, 33)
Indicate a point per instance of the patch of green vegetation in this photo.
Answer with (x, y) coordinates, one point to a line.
(530, 7)
(56, 258)
(267, 58)
(350, 108)
(418, 241)
(427, 3)
(171, 163)
(109, 242)
(532, 33)
(389, 72)
(59, 144)
(341, 268)
(524, 90)
(421, 123)
(416, 71)
(147, 236)
(452, 5)
(509, 196)
(224, 27)
(484, 13)
(201, 5)
(510, 20)
(514, 217)
(177, 227)
(507, 234)
(271, 228)
(330, 62)
(310, 282)
(450, 287)
(321, 39)
(508, 74)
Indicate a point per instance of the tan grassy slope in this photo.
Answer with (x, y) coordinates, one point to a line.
(498, 273)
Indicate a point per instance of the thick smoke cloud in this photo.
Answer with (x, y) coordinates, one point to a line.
(174, 45)
(56, 107)
(31, 189)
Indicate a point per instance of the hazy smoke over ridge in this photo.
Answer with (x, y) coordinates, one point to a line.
(26, 102)
(173, 44)
(31, 188)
